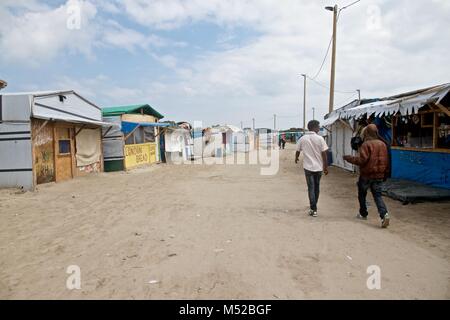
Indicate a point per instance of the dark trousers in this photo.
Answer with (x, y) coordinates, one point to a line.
(313, 182)
(375, 187)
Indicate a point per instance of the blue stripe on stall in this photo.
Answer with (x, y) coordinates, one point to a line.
(431, 168)
(127, 127)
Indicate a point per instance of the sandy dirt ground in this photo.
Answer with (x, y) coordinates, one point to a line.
(216, 232)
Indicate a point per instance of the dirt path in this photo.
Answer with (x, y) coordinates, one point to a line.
(216, 232)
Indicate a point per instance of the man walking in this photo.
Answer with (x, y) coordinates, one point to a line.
(315, 162)
(373, 162)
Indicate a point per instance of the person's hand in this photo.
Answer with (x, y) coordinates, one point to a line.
(296, 160)
(347, 158)
(325, 171)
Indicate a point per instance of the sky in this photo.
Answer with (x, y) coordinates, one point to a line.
(223, 61)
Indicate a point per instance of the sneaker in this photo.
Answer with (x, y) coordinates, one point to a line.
(361, 217)
(310, 212)
(314, 214)
(385, 221)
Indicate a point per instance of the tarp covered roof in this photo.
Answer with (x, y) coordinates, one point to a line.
(130, 109)
(406, 103)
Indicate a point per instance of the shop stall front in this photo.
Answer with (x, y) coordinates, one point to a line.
(417, 126)
(136, 142)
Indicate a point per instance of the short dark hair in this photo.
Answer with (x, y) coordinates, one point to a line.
(313, 124)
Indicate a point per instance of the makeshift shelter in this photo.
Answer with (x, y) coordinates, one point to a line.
(136, 141)
(178, 142)
(265, 138)
(417, 126)
(48, 136)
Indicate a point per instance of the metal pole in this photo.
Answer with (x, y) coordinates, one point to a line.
(314, 113)
(359, 95)
(304, 102)
(253, 124)
(274, 122)
(333, 59)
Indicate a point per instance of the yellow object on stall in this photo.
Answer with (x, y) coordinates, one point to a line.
(139, 154)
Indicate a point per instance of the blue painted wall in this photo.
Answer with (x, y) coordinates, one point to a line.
(425, 167)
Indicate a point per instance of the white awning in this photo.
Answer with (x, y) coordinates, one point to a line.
(406, 104)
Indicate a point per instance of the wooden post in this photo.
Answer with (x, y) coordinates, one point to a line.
(333, 59)
(304, 102)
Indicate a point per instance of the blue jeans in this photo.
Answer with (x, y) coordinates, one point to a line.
(375, 187)
(313, 182)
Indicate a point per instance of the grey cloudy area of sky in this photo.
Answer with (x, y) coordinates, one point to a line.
(384, 47)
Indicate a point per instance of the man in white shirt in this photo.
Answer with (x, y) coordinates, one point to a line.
(315, 161)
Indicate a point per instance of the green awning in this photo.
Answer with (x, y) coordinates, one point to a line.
(131, 109)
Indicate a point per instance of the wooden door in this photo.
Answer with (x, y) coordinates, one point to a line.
(63, 153)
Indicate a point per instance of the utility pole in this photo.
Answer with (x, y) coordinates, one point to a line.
(359, 94)
(314, 113)
(253, 120)
(333, 56)
(274, 122)
(241, 125)
(304, 102)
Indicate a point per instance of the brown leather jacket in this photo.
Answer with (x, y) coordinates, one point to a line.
(373, 158)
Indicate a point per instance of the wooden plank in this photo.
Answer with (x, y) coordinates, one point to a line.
(63, 162)
(139, 118)
(443, 109)
(82, 127)
(41, 127)
(128, 135)
(347, 124)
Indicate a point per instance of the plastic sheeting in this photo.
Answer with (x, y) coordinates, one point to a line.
(88, 145)
(127, 127)
(431, 168)
(406, 104)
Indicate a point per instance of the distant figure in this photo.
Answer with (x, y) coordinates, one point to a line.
(373, 161)
(282, 142)
(315, 162)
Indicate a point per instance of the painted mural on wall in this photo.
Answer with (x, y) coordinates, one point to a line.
(43, 152)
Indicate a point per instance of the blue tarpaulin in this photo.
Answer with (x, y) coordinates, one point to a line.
(127, 127)
(431, 168)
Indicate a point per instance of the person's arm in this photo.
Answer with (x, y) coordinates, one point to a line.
(362, 159)
(325, 162)
(325, 156)
(297, 152)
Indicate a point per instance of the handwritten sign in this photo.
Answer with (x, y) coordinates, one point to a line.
(139, 154)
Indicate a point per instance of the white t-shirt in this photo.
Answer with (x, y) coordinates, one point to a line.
(312, 146)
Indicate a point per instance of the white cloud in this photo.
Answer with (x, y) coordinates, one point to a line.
(38, 35)
(406, 48)
(403, 48)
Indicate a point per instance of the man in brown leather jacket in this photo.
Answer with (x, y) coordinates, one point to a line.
(373, 162)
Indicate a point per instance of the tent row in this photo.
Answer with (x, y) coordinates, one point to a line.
(416, 125)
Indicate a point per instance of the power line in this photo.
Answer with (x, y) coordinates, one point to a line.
(326, 53)
(343, 8)
(331, 40)
(328, 88)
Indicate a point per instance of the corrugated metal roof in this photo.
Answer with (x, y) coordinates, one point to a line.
(129, 109)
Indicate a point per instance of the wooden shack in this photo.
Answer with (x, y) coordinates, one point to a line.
(48, 137)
